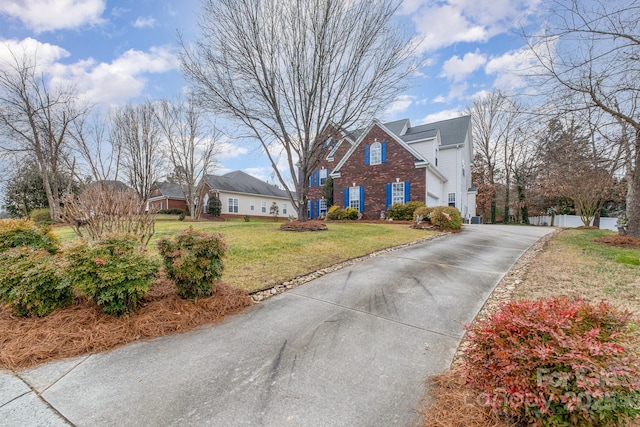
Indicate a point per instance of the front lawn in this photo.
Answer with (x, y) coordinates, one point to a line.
(260, 255)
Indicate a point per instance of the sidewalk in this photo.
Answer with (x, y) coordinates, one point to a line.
(351, 348)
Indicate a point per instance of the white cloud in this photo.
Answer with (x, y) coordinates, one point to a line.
(457, 69)
(143, 22)
(441, 115)
(46, 54)
(122, 79)
(440, 99)
(50, 15)
(228, 150)
(399, 105)
(446, 22)
(512, 68)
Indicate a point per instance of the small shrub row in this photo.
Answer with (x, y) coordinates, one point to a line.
(403, 211)
(114, 272)
(556, 362)
(193, 259)
(174, 211)
(337, 213)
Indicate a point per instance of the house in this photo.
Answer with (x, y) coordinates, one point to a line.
(386, 163)
(241, 194)
(167, 195)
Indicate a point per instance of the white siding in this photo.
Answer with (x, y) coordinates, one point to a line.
(244, 204)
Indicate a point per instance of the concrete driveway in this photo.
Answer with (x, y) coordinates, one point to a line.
(351, 348)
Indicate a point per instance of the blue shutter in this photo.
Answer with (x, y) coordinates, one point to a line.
(317, 177)
(346, 197)
(361, 199)
(407, 191)
(311, 209)
(388, 195)
(317, 208)
(366, 154)
(384, 151)
(311, 180)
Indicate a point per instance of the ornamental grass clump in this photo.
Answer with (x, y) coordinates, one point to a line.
(113, 272)
(556, 362)
(31, 282)
(193, 260)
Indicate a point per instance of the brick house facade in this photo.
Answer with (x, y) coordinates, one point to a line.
(393, 162)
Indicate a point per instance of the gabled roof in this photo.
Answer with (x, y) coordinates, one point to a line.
(241, 182)
(169, 189)
(452, 131)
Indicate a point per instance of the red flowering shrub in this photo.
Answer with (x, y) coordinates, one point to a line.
(556, 362)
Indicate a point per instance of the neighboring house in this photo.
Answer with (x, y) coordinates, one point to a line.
(241, 194)
(387, 163)
(167, 195)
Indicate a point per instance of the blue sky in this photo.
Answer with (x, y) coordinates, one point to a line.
(119, 51)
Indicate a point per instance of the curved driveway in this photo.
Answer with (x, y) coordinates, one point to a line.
(351, 348)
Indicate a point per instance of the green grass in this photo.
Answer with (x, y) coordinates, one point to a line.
(584, 239)
(261, 255)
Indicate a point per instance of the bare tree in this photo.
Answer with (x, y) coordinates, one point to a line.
(35, 119)
(91, 143)
(135, 132)
(591, 49)
(191, 146)
(288, 71)
(493, 118)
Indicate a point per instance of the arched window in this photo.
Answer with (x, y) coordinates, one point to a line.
(375, 154)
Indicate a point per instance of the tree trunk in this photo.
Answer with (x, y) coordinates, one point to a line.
(633, 194)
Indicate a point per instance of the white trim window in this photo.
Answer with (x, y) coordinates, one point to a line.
(323, 174)
(322, 207)
(375, 154)
(354, 197)
(252, 205)
(284, 209)
(397, 192)
(263, 207)
(233, 205)
(452, 199)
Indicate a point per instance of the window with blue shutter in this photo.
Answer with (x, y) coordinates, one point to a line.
(366, 154)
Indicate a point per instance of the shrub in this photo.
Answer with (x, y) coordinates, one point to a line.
(18, 232)
(337, 213)
(31, 282)
(193, 259)
(113, 272)
(446, 217)
(403, 211)
(173, 211)
(41, 216)
(423, 211)
(556, 362)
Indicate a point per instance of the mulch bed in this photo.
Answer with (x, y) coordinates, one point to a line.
(303, 226)
(620, 241)
(83, 328)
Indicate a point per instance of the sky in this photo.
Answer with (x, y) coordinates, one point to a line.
(121, 51)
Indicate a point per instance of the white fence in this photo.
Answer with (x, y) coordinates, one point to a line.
(572, 221)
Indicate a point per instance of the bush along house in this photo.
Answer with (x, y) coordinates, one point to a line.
(386, 163)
